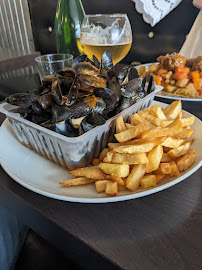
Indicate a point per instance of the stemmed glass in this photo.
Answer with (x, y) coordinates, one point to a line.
(100, 33)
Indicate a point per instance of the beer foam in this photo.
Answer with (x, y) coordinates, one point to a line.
(98, 35)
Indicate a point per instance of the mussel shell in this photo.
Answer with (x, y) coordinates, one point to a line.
(107, 62)
(126, 102)
(21, 99)
(45, 100)
(86, 68)
(96, 62)
(108, 96)
(96, 104)
(131, 88)
(78, 59)
(65, 128)
(133, 73)
(113, 84)
(71, 98)
(67, 72)
(36, 107)
(47, 81)
(92, 120)
(151, 85)
(122, 74)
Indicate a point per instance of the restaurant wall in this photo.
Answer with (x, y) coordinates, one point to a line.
(168, 35)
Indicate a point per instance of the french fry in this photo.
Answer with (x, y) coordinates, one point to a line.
(148, 181)
(131, 133)
(96, 161)
(129, 125)
(166, 158)
(115, 169)
(114, 178)
(152, 119)
(181, 150)
(157, 112)
(184, 133)
(133, 180)
(188, 121)
(186, 161)
(108, 157)
(104, 153)
(164, 168)
(155, 132)
(100, 185)
(155, 156)
(130, 159)
(120, 125)
(156, 141)
(111, 189)
(135, 148)
(175, 127)
(172, 111)
(137, 119)
(93, 172)
(122, 188)
(174, 171)
(159, 177)
(77, 182)
(113, 145)
(172, 142)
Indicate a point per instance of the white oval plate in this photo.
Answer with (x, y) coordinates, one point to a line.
(43, 176)
(164, 94)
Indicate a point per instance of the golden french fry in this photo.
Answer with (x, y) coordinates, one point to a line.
(133, 180)
(188, 121)
(152, 119)
(100, 185)
(181, 150)
(77, 181)
(93, 172)
(175, 127)
(166, 149)
(130, 159)
(172, 142)
(137, 119)
(155, 156)
(157, 112)
(166, 158)
(159, 177)
(104, 153)
(184, 133)
(131, 133)
(115, 169)
(108, 157)
(164, 168)
(111, 189)
(96, 161)
(172, 111)
(174, 171)
(135, 148)
(113, 145)
(156, 141)
(122, 188)
(155, 132)
(129, 125)
(120, 125)
(148, 181)
(186, 161)
(114, 178)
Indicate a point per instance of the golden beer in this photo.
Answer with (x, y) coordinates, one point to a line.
(118, 51)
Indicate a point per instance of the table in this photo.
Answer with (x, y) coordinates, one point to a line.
(160, 231)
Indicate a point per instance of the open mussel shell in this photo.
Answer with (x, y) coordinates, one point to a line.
(65, 128)
(78, 59)
(21, 99)
(86, 68)
(151, 85)
(47, 81)
(92, 120)
(122, 74)
(133, 73)
(96, 62)
(106, 63)
(109, 97)
(131, 88)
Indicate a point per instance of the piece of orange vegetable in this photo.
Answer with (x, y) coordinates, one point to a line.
(195, 76)
(197, 86)
(179, 75)
(179, 69)
(186, 69)
(157, 80)
(161, 71)
(200, 74)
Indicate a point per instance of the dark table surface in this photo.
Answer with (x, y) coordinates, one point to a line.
(160, 231)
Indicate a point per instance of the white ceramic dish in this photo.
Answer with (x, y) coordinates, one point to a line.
(164, 94)
(42, 176)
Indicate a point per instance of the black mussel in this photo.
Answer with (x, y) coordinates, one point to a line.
(45, 100)
(67, 72)
(86, 68)
(144, 82)
(133, 73)
(109, 97)
(90, 82)
(126, 102)
(78, 59)
(113, 84)
(96, 104)
(71, 97)
(131, 88)
(151, 85)
(22, 110)
(122, 74)
(38, 118)
(21, 99)
(36, 107)
(47, 81)
(56, 91)
(37, 91)
(65, 128)
(92, 120)
(107, 62)
(96, 62)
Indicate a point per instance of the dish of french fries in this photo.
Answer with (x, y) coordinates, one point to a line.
(155, 149)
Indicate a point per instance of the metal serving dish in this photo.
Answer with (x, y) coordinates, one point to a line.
(69, 152)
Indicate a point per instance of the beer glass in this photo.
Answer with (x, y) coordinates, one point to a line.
(100, 33)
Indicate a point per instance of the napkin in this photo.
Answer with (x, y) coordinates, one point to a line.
(192, 46)
(155, 10)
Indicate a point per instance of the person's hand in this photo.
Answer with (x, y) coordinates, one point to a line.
(197, 3)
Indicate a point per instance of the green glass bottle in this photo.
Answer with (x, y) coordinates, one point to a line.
(69, 17)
